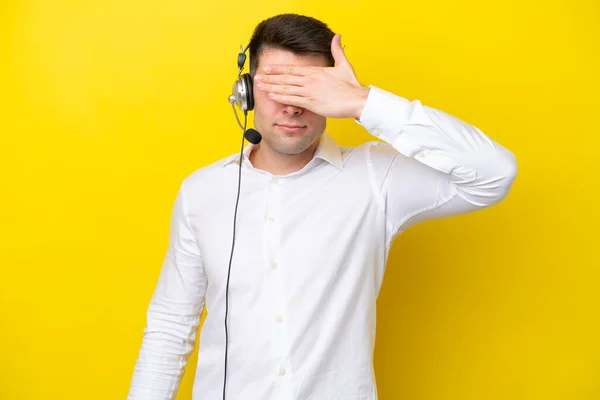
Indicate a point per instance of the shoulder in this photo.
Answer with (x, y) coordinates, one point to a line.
(378, 154)
(208, 178)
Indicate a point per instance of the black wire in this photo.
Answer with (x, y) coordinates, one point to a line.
(232, 246)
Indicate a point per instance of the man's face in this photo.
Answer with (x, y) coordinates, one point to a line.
(285, 128)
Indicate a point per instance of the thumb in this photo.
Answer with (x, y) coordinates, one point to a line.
(337, 51)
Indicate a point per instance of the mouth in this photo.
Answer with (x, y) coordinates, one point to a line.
(290, 128)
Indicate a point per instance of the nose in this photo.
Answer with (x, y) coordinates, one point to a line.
(291, 110)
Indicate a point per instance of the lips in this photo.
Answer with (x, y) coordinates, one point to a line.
(290, 128)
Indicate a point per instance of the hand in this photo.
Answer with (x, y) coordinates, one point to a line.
(328, 91)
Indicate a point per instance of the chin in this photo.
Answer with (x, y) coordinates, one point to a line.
(291, 144)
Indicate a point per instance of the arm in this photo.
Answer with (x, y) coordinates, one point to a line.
(440, 166)
(173, 315)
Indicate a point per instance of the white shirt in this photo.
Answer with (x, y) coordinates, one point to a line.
(309, 258)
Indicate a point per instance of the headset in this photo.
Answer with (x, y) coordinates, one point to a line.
(242, 96)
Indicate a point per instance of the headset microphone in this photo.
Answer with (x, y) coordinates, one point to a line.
(253, 136)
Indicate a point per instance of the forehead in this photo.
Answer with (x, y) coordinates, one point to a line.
(280, 56)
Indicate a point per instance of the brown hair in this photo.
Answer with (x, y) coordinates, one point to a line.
(298, 34)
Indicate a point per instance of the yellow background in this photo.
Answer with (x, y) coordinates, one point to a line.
(107, 105)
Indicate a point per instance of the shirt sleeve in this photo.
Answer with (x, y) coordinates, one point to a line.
(440, 166)
(173, 315)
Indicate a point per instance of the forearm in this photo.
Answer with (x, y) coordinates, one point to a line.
(481, 169)
(166, 347)
(173, 315)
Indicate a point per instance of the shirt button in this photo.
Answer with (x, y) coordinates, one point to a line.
(271, 219)
(281, 371)
(273, 265)
(278, 319)
(275, 180)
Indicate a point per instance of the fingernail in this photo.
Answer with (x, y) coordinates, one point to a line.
(257, 77)
(267, 69)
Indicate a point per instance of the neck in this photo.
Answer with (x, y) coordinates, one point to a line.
(264, 158)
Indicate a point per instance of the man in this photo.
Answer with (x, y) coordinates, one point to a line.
(315, 223)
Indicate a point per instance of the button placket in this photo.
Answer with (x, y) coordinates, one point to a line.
(273, 237)
(276, 284)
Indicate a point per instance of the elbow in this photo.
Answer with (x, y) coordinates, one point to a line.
(510, 168)
(507, 172)
(491, 181)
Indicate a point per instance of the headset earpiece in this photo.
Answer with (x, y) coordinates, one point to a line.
(247, 79)
(242, 93)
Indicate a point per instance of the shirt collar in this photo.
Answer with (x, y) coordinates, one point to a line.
(327, 149)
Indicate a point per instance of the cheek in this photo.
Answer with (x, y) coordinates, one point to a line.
(316, 120)
(261, 98)
(263, 105)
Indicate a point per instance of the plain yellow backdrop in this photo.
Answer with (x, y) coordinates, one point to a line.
(107, 105)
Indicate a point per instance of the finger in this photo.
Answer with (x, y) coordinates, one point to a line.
(282, 89)
(337, 50)
(281, 79)
(297, 101)
(288, 69)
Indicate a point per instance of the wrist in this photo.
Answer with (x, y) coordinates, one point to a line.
(361, 100)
